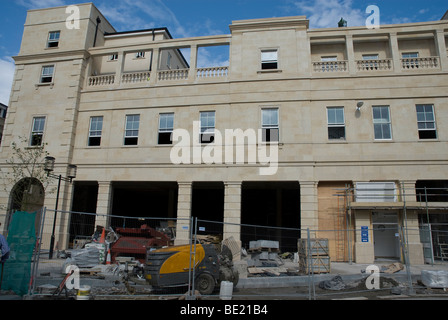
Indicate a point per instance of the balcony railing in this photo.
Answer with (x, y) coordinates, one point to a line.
(330, 66)
(177, 74)
(101, 80)
(136, 77)
(420, 63)
(374, 65)
(212, 72)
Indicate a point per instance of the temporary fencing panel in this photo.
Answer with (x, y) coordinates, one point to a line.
(22, 241)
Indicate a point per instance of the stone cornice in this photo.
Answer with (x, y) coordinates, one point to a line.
(298, 22)
(51, 56)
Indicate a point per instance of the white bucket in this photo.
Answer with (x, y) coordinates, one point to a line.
(83, 293)
(226, 290)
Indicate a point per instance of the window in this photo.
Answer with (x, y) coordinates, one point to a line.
(47, 74)
(269, 125)
(371, 61)
(53, 39)
(113, 57)
(331, 63)
(96, 128)
(168, 60)
(381, 123)
(131, 131)
(426, 122)
(37, 131)
(269, 59)
(207, 120)
(336, 123)
(140, 55)
(410, 60)
(166, 126)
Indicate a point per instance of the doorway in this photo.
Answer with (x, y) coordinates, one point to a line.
(386, 235)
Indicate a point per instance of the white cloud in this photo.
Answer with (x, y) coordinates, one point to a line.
(327, 13)
(36, 4)
(145, 14)
(7, 68)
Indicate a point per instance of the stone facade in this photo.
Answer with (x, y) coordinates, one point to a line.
(277, 64)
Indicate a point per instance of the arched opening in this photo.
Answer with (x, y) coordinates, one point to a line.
(27, 195)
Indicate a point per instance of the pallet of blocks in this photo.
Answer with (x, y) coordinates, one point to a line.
(314, 256)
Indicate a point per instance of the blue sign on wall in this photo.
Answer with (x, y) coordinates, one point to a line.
(364, 234)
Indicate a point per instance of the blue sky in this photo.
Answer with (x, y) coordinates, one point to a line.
(190, 18)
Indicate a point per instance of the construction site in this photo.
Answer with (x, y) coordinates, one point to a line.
(141, 261)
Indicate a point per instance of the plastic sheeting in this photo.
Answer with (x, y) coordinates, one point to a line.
(22, 240)
(435, 279)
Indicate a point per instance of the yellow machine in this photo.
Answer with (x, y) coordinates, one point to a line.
(170, 267)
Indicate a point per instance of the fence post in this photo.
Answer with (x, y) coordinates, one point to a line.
(35, 262)
(191, 273)
(310, 268)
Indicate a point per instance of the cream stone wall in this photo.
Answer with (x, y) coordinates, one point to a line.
(301, 93)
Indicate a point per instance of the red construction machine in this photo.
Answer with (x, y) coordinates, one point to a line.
(134, 242)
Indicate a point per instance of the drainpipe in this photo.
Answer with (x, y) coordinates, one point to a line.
(98, 21)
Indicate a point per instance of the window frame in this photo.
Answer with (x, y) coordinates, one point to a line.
(371, 60)
(113, 57)
(131, 139)
(336, 124)
(51, 42)
(412, 59)
(269, 127)
(207, 133)
(44, 76)
(382, 122)
(425, 130)
(269, 64)
(95, 139)
(164, 131)
(37, 132)
(140, 55)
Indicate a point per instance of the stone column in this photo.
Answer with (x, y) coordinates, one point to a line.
(193, 63)
(350, 54)
(184, 202)
(396, 57)
(103, 203)
(441, 49)
(364, 246)
(309, 208)
(120, 67)
(154, 66)
(232, 215)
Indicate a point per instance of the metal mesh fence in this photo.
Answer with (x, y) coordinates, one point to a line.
(128, 261)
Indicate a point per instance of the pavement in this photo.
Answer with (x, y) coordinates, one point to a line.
(50, 273)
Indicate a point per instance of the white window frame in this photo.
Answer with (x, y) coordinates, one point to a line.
(140, 55)
(38, 131)
(270, 125)
(269, 57)
(336, 124)
(382, 122)
(164, 128)
(113, 57)
(45, 75)
(371, 60)
(95, 132)
(411, 59)
(51, 41)
(426, 121)
(329, 66)
(207, 129)
(129, 133)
